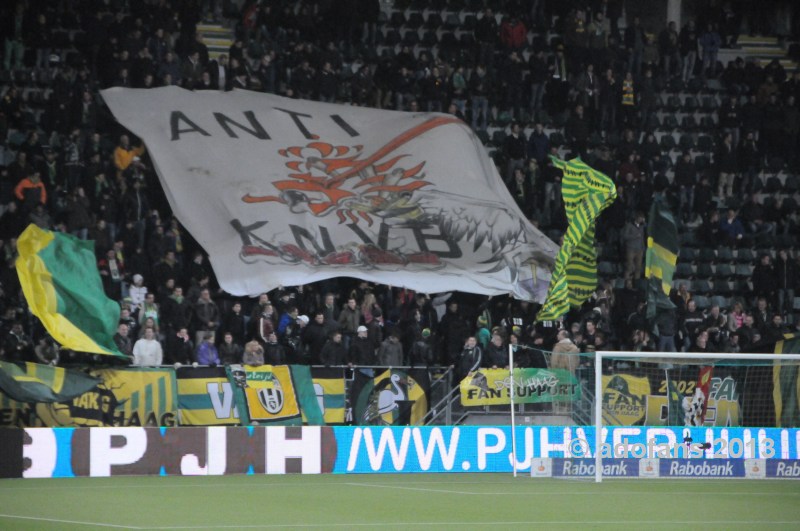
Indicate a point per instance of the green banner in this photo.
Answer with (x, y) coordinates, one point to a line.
(490, 387)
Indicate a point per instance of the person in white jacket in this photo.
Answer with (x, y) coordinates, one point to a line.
(147, 350)
(138, 291)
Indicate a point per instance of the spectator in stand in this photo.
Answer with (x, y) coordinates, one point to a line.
(710, 42)
(514, 149)
(207, 353)
(497, 353)
(765, 280)
(274, 353)
(254, 354)
(390, 352)
(633, 244)
(205, 315)
(180, 348)
(635, 41)
(669, 49)
(731, 229)
(349, 320)
(787, 278)
(230, 351)
(334, 351)
(122, 341)
(727, 166)
(31, 191)
(147, 350)
(513, 34)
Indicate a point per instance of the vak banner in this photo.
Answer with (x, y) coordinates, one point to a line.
(282, 192)
(125, 397)
(330, 392)
(490, 387)
(205, 397)
(265, 394)
(392, 397)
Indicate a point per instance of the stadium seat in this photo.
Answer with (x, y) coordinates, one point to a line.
(702, 162)
(689, 123)
(499, 138)
(686, 143)
(434, 21)
(688, 238)
(397, 20)
(710, 103)
(704, 271)
(483, 136)
(705, 143)
(667, 143)
(743, 271)
(703, 302)
(687, 254)
(723, 271)
(723, 287)
(415, 20)
(556, 139)
(719, 300)
(792, 184)
(724, 254)
(796, 304)
(773, 185)
(684, 270)
(745, 256)
(669, 123)
(707, 255)
(690, 104)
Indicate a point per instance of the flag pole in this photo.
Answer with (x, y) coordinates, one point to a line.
(513, 424)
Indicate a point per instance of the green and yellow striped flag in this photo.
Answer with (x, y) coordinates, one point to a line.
(32, 382)
(586, 193)
(59, 278)
(662, 254)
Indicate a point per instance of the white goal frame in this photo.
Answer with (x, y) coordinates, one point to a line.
(598, 388)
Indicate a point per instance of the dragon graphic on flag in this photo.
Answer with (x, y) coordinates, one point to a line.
(303, 191)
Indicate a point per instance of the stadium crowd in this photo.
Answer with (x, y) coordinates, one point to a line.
(532, 79)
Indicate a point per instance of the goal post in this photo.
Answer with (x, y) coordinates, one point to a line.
(760, 367)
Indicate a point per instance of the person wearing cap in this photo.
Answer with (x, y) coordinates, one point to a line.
(483, 335)
(333, 353)
(390, 353)
(137, 291)
(292, 340)
(362, 351)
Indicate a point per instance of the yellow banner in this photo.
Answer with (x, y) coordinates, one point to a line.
(206, 397)
(492, 387)
(270, 393)
(127, 397)
(330, 396)
(625, 399)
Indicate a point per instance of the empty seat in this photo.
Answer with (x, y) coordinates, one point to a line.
(723, 271)
(704, 271)
(724, 254)
(702, 302)
(706, 254)
(684, 269)
(745, 256)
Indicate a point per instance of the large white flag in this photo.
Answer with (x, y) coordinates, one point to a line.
(282, 192)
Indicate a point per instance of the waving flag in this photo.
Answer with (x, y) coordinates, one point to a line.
(662, 254)
(285, 192)
(59, 278)
(33, 382)
(586, 193)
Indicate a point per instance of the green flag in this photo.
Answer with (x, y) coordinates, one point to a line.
(32, 382)
(59, 277)
(586, 193)
(662, 254)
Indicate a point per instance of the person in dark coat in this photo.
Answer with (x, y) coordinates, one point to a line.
(333, 353)
(362, 350)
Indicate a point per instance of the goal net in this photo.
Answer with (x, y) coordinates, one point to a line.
(650, 414)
